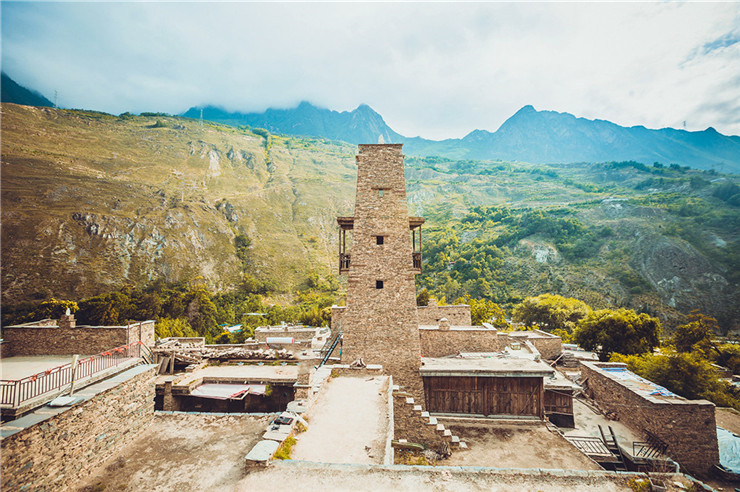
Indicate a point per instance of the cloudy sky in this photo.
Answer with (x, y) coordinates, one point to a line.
(437, 70)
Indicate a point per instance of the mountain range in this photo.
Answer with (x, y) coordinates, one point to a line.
(541, 137)
(92, 201)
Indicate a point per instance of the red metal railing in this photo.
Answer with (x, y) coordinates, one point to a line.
(15, 392)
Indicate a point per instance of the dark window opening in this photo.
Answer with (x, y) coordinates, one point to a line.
(378, 239)
(378, 284)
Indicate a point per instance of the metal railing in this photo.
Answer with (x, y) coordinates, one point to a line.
(344, 262)
(15, 392)
(590, 445)
(652, 448)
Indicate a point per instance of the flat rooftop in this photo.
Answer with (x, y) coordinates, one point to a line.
(245, 372)
(557, 381)
(23, 366)
(486, 366)
(619, 373)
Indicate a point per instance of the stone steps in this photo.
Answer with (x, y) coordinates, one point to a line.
(419, 412)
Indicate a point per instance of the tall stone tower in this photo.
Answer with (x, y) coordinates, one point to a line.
(380, 322)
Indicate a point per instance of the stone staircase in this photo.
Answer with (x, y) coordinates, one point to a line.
(414, 425)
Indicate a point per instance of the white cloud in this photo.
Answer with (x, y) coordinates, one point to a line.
(438, 70)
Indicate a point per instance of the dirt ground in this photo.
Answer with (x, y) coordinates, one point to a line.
(184, 453)
(728, 419)
(309, 477)
(515, 446)
(348, 423)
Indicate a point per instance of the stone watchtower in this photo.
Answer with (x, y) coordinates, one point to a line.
(380, 322)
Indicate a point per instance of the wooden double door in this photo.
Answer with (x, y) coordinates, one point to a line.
(515, 396)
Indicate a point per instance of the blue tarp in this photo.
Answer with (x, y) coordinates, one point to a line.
(729, 450)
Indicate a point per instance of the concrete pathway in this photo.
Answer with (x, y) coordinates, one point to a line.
(348, 423)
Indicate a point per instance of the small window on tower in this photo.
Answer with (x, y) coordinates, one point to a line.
(380, 192)
(378, 284)
(378, 239)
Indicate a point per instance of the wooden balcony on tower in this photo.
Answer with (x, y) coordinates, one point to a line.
(348, 224)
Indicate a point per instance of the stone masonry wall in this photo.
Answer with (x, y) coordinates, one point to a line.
(687, 426)
(299, 334)
(458, 315)
(337, 315)
(439, 343)
(57, 453)
(549, 346)
(381, 324)
(61, 340)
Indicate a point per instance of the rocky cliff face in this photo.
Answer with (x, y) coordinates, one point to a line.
(91, 202)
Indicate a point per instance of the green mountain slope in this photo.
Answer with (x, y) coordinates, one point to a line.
(92, 201)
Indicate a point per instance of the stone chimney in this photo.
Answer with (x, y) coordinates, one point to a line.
(432, 302)
(444, 324)
(67, 321)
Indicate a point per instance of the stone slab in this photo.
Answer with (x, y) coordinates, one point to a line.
(262, 451)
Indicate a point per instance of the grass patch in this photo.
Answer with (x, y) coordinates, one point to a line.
(411, 458)
(283, 452)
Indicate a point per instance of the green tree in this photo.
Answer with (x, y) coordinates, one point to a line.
(55, 308)
(202, 313)
(686, 374)
(622, 330)
(168, 327)
(422, 298)
(484, 311)
(551, 312)
(696, 335)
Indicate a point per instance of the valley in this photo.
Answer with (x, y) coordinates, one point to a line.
(92, 201)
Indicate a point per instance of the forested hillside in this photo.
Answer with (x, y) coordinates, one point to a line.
(92, 202)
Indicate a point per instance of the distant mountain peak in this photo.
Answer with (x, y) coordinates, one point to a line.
(526, 109)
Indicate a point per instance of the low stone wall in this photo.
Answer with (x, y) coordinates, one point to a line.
(299, 333)
(66, 340)
(56, 453)
(687, 426)
(457, 315)
(439, 343)
(548, 345)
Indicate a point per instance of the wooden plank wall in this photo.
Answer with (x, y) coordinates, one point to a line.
(558, 401)
(485, 395)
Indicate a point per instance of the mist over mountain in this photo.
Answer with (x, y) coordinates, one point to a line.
(362, 125)
(14, 93)
(529, 136)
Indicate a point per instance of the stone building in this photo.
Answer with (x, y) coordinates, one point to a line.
(380, 323)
